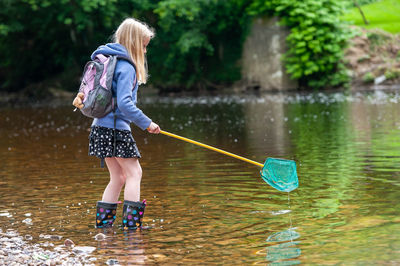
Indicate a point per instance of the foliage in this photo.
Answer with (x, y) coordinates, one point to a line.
(41, 37)
(316, 41)
(368, 77)
(198, 42)
(377, 38)
(392, 74)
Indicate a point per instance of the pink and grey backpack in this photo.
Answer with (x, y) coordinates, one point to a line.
(96, 85)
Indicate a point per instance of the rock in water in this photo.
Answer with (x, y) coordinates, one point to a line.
(100, 237)
(69, 243)
(379, 79)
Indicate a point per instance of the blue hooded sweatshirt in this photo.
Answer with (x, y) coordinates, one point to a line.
(122, 86)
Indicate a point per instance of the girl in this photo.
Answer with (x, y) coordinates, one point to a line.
(130, 41)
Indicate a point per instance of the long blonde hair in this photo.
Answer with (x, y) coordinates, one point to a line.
(132, 33)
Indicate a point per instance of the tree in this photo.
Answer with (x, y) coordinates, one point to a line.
(361, 12)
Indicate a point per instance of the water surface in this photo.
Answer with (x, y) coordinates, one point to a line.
(207, 208)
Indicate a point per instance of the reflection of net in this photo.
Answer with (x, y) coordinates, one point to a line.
(280, 174)
(287, 235)
(283, 253)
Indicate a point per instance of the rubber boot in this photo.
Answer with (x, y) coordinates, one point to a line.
(133, 214)
(105, 214)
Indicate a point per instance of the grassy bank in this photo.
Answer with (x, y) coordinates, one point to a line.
(383, 15)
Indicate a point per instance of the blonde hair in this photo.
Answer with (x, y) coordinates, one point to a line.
(132, 33)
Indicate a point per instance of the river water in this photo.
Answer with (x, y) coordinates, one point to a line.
(205, 207)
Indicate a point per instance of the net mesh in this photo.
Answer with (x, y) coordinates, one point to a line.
(280, 174)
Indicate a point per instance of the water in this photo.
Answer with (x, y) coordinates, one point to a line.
(205, 207)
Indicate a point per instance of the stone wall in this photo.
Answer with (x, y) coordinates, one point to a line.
(261, 62)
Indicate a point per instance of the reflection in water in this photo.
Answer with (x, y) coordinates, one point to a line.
(281, 253)
(284, 253)
(287, 235)
(123, 248)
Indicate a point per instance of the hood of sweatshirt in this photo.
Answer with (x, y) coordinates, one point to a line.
(111, 49)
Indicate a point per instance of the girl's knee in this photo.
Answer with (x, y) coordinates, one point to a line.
(122, 179)
(131, 168)
(139, 171)
(135, 173)
(118, 179)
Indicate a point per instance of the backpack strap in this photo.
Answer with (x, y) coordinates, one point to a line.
(115, 133)
(114, 136)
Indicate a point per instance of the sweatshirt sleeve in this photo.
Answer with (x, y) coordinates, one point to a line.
(126, 96)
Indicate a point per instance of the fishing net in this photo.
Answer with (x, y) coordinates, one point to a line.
(280, 174)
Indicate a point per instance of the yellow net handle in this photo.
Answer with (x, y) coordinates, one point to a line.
(211, 148)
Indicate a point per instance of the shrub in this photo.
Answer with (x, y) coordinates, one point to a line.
(316, 41)
(392, 74)
(368, 77)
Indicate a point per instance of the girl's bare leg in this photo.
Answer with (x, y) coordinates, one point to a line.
(117, 180)
(133, 173)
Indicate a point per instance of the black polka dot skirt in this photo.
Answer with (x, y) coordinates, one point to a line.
(101, 143)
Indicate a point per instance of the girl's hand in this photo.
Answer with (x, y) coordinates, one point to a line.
(153, 128)
(78, 100)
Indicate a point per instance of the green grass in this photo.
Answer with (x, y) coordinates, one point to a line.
(383, 15)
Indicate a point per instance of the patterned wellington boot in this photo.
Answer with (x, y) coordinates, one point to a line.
(133, 214)
(105, 215)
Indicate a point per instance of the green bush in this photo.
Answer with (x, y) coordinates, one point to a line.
(376, 38)
(368, 77)
(364, 58)
(316, 41)
(392, 74)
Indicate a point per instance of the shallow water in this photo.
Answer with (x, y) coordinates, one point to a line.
(205, 207)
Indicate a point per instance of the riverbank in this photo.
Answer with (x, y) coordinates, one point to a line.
(373, 58)
(18, 250)
(62, 98)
